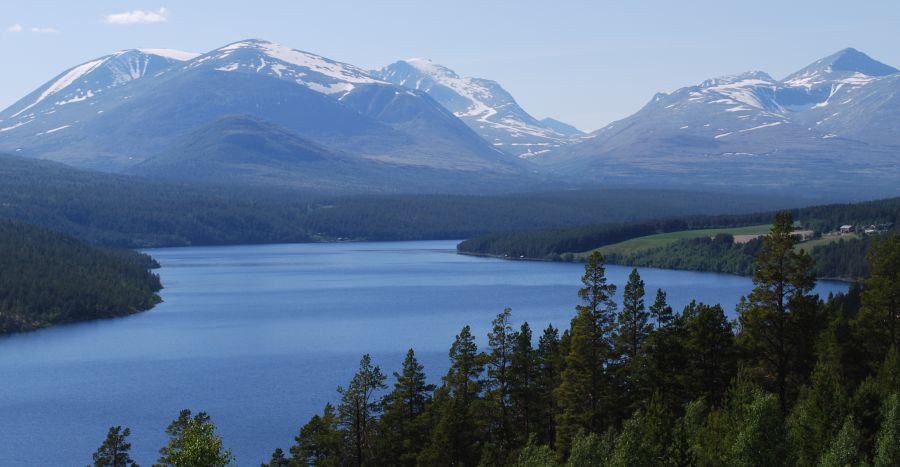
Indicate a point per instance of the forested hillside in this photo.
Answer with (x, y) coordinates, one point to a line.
(132, 212)
(47, 278)
(839, 259)
(545, 244)
(843, 259)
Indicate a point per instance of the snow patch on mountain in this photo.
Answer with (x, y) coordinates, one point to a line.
(483, 104)
(314, 71)
(172, 54)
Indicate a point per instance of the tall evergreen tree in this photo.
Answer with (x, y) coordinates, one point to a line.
(454, 440)
(501, 348)
(633, 319)
(584, 392)
(710, 350)
(632, 330)
(278, 459)
(879, 318)
(524, 387)
(359, 409)
(783, 277)
(404, 430)
(661, 311)
(320, 441)
(550, 361)
(115, 450)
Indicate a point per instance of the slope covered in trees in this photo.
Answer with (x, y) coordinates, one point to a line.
(132, 212)
(796, 380)
(841, 259)
(549, 243)
(47, 278)
(844, 259)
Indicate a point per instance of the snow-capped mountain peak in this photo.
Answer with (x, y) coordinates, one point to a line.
(428, 67)
(840, 65)
(84, 81)
(483, 104)
(746, 78)
(260, 56)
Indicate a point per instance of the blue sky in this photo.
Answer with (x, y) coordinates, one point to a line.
(587, 63)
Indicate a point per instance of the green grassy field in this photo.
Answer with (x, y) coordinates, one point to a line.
(808, 246)
(659, 240)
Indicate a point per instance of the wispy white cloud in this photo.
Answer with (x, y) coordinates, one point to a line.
(138, 17)
(44, 30)
(17, 28)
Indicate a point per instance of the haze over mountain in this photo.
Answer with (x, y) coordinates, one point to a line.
(261, 113)
(833, 125)
(97, 119)
(484, 105)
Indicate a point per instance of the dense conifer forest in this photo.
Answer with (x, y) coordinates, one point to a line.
(132, 212)
(841, 259)
(47, 278)
(796, 379)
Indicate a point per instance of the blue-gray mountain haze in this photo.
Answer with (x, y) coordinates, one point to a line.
(261, 113)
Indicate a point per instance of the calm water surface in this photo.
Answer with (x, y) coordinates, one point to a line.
(260, 336)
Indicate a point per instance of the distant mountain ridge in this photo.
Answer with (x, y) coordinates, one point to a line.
(484, 105)
(119, 112)
(834, 124)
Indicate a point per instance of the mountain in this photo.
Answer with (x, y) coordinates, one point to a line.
(561, 127)
(834, 126)
(116, 125)
(90, 79)
(260, 153)
(483, 104)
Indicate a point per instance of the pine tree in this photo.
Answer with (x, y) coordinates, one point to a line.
(710, 351)
(887, 445)
(278, 460)
(501, 343)
(193, 441)
(633, 320)
(783, 277)
(320, 441)
(879, 318)
(524, 387)
(358, 409)
(661, 311)
(584, 391)
(404, 432)
(454, 439)
(115, 450)
(549, 361)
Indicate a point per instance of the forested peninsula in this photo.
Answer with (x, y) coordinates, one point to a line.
(48, 278)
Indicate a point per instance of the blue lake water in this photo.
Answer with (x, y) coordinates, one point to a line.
(260, 336)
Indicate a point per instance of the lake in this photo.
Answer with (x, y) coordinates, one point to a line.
(260, 336)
